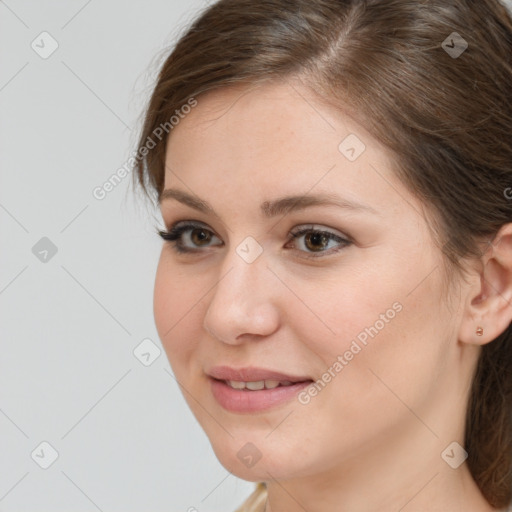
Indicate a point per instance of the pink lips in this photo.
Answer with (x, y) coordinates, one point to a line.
(247, 401)
(251, 374)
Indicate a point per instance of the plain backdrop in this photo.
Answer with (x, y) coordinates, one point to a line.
(90, 419)
(71, 319)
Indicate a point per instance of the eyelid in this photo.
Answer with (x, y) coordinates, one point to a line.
(191, 223)
(343, 241)
(176, 230)
(297, 230)
(320, 228)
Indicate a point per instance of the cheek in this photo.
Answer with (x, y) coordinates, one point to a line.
(339, 308)
(376, 320)
(176, 307)
(388, 350)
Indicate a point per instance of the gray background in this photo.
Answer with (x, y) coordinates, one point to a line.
(125, 438)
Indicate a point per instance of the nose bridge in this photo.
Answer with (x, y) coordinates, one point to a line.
(244, 280)
(244, 269)
(242, 301)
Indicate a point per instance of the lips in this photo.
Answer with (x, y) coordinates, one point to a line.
(253, 374)
(254, 390)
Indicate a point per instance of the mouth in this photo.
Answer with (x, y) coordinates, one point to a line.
(249, 390)
(253, 374)
(259, 384)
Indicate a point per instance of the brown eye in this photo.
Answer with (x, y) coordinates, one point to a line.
(189, 237)
(316, 241)
(200, 236)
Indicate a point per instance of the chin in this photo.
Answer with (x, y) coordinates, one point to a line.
(260, 460)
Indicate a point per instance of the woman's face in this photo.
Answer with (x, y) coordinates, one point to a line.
(358, 309)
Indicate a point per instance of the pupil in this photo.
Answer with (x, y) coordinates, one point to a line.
(199, 235)
(316, 238)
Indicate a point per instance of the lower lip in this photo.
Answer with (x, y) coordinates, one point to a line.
(240, 400)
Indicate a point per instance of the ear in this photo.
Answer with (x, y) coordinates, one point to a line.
(489, 301)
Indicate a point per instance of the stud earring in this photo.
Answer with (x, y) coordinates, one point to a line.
(479, 331)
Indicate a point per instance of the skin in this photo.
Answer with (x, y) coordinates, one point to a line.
(372, 438)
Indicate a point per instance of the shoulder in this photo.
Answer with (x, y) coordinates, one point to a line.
(256, 501)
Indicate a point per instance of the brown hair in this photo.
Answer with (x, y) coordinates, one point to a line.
(447, 118)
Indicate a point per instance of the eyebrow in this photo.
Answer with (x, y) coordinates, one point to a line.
(269, 209)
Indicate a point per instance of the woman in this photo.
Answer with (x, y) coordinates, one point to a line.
(333, 293)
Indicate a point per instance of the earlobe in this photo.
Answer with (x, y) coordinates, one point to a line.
(489, 306)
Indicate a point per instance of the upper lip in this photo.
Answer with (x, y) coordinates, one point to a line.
(252, 374)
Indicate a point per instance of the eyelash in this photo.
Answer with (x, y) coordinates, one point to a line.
(173, 236)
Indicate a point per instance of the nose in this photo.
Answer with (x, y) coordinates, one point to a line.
(244, 302)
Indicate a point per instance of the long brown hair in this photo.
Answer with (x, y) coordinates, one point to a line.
(402, 68)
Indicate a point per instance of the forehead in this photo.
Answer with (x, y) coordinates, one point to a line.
(276, 137)
(274, 112)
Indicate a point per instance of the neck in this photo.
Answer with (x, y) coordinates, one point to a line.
(406, 473)
(435, 491)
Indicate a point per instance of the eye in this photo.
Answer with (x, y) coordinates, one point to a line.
(318, 241)
(188, 236)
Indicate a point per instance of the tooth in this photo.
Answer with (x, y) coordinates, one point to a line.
(271, 384)
(236, 384)
(258, 385)
(255, 386)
